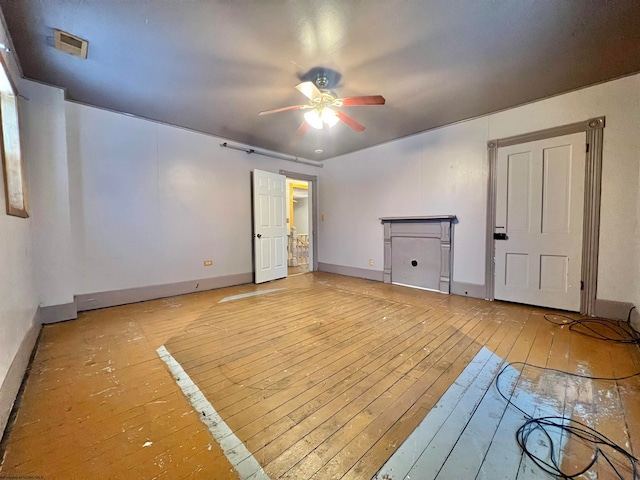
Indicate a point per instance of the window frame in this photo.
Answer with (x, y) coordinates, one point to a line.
(13, 168)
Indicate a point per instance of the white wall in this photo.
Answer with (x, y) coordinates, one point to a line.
(445, 172)
(151, 202)
(442, 172)
(18, 298)
(45, 149)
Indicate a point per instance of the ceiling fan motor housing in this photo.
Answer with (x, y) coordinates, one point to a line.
(322, 77)
(322, 82)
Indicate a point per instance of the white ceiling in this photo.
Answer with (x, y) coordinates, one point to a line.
(212, 66)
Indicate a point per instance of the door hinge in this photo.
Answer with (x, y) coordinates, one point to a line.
(581, 285)
(587, 148)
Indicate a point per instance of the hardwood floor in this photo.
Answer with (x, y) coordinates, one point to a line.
(299, 270)
(325, 378)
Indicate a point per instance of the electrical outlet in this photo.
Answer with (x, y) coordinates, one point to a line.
(371, 262)
(208, 263)
(322, 217)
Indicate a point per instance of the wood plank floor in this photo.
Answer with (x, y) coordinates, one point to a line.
(325, 378)
(300, 269)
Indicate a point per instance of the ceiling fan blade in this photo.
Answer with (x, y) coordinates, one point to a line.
(283, 109)
(309, 90)
(302, 129)
(364, 100)
(349, 121)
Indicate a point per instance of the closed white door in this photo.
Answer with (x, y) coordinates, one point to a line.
(539, 214)
(269, 226)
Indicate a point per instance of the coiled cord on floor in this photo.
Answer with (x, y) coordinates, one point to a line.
(569, 427)
(617, 331)
(603, 329)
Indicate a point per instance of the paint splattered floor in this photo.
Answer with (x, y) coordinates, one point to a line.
(325, 379)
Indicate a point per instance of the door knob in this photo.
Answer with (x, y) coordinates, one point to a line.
(259, 235)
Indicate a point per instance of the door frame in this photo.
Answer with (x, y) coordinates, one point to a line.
(313, 180)
(592, 189)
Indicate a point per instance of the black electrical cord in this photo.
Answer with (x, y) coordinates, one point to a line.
(617, 331)
(569, 427)
(600, 328)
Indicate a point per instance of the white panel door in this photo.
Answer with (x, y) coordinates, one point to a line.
(269, 226)
(539, 213)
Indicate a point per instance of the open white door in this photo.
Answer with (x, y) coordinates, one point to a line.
(539, 215)
(269, 226)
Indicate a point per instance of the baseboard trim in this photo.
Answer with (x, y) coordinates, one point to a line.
(93, 301)
(377, 275)
(13, 380)
(58, 313)
(613, 309)
(473, 290)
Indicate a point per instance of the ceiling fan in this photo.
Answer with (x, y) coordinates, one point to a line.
(323, 106)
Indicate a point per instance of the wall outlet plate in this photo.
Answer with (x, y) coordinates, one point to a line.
(208, 263)
(371, 262)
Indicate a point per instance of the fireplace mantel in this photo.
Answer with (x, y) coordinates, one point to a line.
(419, 250)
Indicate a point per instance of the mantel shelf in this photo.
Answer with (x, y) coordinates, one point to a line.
(432, 218)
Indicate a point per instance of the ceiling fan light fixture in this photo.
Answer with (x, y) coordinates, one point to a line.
(329, 117)
(313, 118)
(322, 104)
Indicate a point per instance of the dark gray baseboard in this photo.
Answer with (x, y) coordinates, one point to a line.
(612, 309)
(58, 313)
(377, 275)
(93, 301)
(12, 381)
(469, 289)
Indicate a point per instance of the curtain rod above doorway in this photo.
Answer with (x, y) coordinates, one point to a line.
(272, 155)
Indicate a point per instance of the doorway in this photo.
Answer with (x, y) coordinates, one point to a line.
(302, 222)
(539, 216)
(542, 184)
(298, 206)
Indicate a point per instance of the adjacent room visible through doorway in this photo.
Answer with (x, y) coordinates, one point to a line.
(299, 214)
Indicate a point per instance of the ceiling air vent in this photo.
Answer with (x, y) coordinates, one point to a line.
(71, 44)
